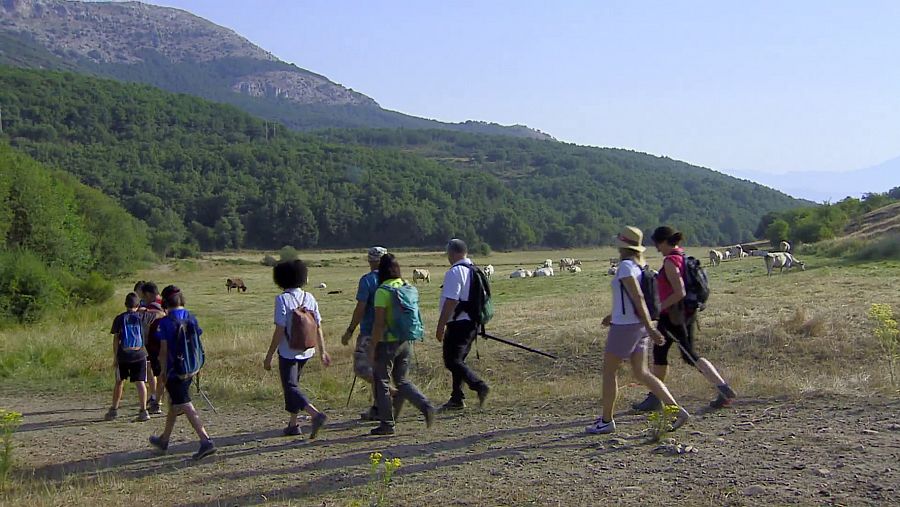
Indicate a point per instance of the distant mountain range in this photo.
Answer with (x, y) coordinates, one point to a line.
(180, 52)
(826, 186)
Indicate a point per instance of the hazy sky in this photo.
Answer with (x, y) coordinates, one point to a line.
(762, 86)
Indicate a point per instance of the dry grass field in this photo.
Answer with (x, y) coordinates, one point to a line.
(816, 422)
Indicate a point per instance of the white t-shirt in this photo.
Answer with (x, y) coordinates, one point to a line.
(626, 269)
(457, 283)
(285, 303)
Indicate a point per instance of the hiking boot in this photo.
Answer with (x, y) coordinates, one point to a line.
(725, 397)
(651, 403)
(483, 395)
(681, 419)
(453, 406)
(143, 416)
(369, 415)
(382, 430)
(429, 412)
(600, 427)
(292, 431)
(162, 445)
(111, 415)
(153, 408)
(206, 448)
(317, 422)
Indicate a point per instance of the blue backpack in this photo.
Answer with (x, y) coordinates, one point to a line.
(188, 349)
(132, 336)
(407, 324)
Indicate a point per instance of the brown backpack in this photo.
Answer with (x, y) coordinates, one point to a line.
(302, 329)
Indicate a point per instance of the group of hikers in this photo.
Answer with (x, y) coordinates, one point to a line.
(156, 332)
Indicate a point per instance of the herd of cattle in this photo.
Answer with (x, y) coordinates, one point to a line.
(781, 259)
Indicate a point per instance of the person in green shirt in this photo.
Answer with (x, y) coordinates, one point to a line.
(389, 355)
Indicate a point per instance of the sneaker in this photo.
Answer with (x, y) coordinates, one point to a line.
(369, 415)
(162, 445)
(453, 405)
(111, 414)
(429, 412)
(650, 404)
(382, 430)
(292, 431)
(153, 408)
(725, 397)
(601, 427)
(317, 422)
(681, 419)
(483, 395)
(143, 416)
(206, 448)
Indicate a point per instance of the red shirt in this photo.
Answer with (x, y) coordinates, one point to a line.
(676, 258)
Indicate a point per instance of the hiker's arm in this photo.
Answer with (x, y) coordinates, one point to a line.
(377, 332)
(677, 283)
(323, 354)
(163, 358)
(640, 305)
(358, 314)
(276, 337)
(446, 313)
(115, 350)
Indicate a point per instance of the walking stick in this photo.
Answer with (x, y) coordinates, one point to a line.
(518, 345)
(350, 394)
(205, 397)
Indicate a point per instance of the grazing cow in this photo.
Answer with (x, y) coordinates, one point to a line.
(543, 272)
(574, 269)
(521, 273)
(785, 247)
(726, 255)
(782, 260)
(489, 271)
(235, 283)
(715, 257)
(322, 285)
(737, 252)
(421, 274)
(547, 264)
(566, 263)
(613, 267)
(578, 262)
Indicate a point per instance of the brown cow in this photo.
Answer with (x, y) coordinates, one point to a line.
(235, 283)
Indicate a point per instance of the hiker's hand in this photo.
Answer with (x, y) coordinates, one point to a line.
(607, 321)
(326, 359)
(345, 339)
(657, 337)
(267, 364)
(439, 335)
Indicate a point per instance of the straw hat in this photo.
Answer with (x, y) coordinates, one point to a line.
(630, 239)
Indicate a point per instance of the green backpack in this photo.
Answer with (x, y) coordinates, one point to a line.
(406, 324)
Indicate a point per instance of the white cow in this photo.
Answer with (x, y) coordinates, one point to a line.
(737, 252)
(566, 262)
(322, 285)
(521, 273)
(726, 255)
(489, 271)
(421, 274)
(785, 247)
(782, 260)
(543, 272)
(547, 263)
(715, 257)
(574, 269)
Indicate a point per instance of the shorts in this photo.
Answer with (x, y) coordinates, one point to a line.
(683, 334)
(155, 365)
(179, 390)
(134, 372)
(361, 365)
(626, 339)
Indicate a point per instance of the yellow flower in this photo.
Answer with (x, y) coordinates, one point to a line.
(375, 457)
(396, 462)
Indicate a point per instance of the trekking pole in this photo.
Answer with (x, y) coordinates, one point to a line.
(518, 345)
(684, 351)
(205, 397)
(350, 394)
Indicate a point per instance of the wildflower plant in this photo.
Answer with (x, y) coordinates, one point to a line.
(888, 334)
(381, 472)
(660, 422)
(9, 422)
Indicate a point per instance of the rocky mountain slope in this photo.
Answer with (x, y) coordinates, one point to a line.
(178, 51)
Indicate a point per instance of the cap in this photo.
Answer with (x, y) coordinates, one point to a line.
(376, 253)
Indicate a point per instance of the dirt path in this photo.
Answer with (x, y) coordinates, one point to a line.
(819, 450)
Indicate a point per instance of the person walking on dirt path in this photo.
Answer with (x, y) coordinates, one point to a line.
(152, 303)
(390, 349)
(292, 276)
(456, 330)
(172, 328)
(629, 325)
(364, 317)
(129, 331)
(676, 323)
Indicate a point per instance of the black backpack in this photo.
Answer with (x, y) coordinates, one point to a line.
(479, 306)
(696, 285)
(648, 288)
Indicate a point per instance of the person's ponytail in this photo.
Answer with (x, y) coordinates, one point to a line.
(676, 239)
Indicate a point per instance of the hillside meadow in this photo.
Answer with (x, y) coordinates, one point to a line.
(782, 341)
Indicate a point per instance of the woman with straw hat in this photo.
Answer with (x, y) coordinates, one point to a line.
(629, 326)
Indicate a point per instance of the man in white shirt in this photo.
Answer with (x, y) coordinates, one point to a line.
(455, 328)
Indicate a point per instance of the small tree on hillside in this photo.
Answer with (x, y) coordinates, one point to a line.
(777, 231)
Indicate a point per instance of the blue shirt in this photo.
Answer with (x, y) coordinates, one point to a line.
(167, 330)
(368, 285)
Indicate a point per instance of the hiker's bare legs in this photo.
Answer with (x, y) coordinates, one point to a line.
(194, 417)
(117, 393)
(170, 423)
(642, 375)
(142, 394)
(611, 365)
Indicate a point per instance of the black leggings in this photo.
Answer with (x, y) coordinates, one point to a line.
(683, 333)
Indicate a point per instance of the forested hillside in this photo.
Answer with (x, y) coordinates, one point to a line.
(206, 175)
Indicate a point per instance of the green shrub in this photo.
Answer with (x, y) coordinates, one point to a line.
(483, 249)
(288, 253)
(185, 251)
(28, 289)
(269, 261)
(884, 248)
(93, 289)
